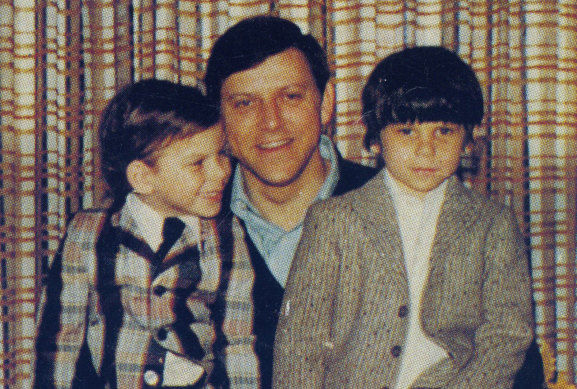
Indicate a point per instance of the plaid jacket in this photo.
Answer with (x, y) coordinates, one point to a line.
(128, 310)
(239, 356)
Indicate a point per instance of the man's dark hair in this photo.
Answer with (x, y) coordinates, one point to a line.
(422, 84)
(141, 119)
(251, 41)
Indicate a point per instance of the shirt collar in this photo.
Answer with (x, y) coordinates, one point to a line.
(149, 222)
(400, 195)
(241, 205)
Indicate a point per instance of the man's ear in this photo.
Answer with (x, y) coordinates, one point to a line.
(328, 103)
(139, 176)
(376, 149)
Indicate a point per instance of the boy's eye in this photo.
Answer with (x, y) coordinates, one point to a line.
(198, 163)
(225, 151)
(446, 131)
(406, 131)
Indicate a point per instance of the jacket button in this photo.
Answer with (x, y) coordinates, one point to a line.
(151, 378)
(396, 351)
(403, 311)
(162, 334)
(159, 290)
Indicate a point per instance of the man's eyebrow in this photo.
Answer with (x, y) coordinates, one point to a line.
(229, 96)
(304, 84)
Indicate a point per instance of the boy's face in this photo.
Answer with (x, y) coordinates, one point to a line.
(420, 156)
(189, 175)
(273, 114)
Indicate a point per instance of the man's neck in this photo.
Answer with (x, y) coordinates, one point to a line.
(286, 205)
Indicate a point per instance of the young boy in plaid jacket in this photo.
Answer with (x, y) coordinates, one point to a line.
(127, 299)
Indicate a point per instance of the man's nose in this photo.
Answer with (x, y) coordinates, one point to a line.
(271, 114)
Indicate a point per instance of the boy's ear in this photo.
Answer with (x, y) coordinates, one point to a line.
(139, 176)
(328, 103)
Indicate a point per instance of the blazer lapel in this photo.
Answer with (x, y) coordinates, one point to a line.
(181, 267)
(194, 260)
(133, 259)
(458, 213)
(374, 204)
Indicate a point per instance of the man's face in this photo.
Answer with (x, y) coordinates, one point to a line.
(273, 114)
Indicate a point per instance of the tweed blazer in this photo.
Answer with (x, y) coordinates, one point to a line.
(128, 310)
(345, 311)
(243, 365)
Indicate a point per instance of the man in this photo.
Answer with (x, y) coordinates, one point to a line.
(275, 98)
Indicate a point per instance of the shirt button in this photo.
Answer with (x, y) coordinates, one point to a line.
(396, 351)
(159, 290)
(162, 334)
(403, 311)
(151, 378)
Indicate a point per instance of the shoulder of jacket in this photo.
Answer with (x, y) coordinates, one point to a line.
(87, 222)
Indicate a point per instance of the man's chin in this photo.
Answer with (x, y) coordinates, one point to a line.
(275, 181)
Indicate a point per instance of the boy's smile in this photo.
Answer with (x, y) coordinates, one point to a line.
(420, 156)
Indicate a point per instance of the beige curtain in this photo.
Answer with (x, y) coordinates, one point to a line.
(60, 61)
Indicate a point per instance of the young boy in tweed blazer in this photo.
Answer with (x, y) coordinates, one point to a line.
(412, 281)
(128, 301)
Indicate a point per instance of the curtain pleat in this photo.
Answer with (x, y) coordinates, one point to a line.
(60, 62)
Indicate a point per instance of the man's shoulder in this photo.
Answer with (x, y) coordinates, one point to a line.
(352, 176)
(345, 203)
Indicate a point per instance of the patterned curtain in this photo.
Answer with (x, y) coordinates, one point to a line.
(60, 61)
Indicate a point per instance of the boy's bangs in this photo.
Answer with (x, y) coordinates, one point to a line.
(423, 106)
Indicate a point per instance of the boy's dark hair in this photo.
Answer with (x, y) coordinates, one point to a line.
(140, 119)
(422, 84)
(251, 41)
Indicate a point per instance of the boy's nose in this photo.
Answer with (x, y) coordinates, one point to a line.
(426, 146)
(220, 169)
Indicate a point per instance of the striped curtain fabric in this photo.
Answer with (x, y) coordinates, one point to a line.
(60, 61)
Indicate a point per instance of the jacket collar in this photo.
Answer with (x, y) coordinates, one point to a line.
(374, 204)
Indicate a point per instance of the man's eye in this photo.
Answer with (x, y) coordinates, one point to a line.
(294, 96)
(241, 103)
(446, 131)
(406, 131)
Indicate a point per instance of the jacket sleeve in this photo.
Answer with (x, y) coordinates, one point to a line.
(303, 334)
(507, 330)
(64, 306)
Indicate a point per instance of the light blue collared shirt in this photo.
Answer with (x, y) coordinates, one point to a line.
(276, 245)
